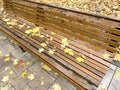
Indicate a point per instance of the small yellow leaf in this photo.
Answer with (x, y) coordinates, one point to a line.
(28, 31)
(7, 55)
(31, 76)
(43, 44)
(118, 74)
(26, 88)
(56, 87)
(0, 52)
(42, 81)
(5, 79)
(51, 52)
(46, 67)
(53, 33)
(36, 29)
(69, 51)
(23, 74)
(4, 88)
(7, 59)
(15, 62)
(79, 59)
(11, 72)
(41, 50)
(64, 40)
(117, 57)
(106, 56)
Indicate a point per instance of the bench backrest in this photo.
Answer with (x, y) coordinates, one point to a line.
(99, 31)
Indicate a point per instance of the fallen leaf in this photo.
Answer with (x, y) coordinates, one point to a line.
(79, 59)
(4, 88)
(11, 72)
(15, 62)
(117, 57)
(7, 55)
(7, 59)
(69, 51)
(44, 66)
(106, 56)
(0, 52)
(23, 74)
(41, 50)
(42, 81)
(56, 87)
(53, 33)
(21, 63)
(5, 79)
(43, 44)
(31, 76)
(51, 52)
(117, 74)
(26, 88)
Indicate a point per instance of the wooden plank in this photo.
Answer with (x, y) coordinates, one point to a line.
(49, 62)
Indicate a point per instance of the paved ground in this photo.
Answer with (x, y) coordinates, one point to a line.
(21, 71)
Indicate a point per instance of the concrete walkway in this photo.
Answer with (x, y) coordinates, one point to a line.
(21, 71)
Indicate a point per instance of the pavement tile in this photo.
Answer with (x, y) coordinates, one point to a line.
(42, 80)
(6, 72)
(63, 84)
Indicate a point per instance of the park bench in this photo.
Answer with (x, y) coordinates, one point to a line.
(93, 39)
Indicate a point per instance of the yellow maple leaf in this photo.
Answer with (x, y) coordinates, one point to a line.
(7, 55)
(106, 56)
(41, 50)
(69, 51)
(51, 52)
(15, 62)
(44, 66)
(53, 33)
(56, 87)
(117, 74)
(64, 40)
(0, 52)
(30, 76)
(79, 59)
(117, 57)
(42, 81)
(23, 74)
(36, 29)
(7, 59)
(26, 88)
(43, 44)
(11, 72)
(28, 31)
(5, 79)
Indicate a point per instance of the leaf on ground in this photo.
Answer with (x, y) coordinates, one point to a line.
(15, 62)
(7, 59)
(43, 44)
(7, 55)
(4, 88)
(26, 88)
(28, 31)
(23, 74)
(106, 56)
(42, 81)
(117, 57)
(30, 76)
(21, 63)
(0, 52)
(44, 66)
(79, 59)
(41, 50)
(11, 72)
(56, 86)
(117, 74)
(5, 79)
